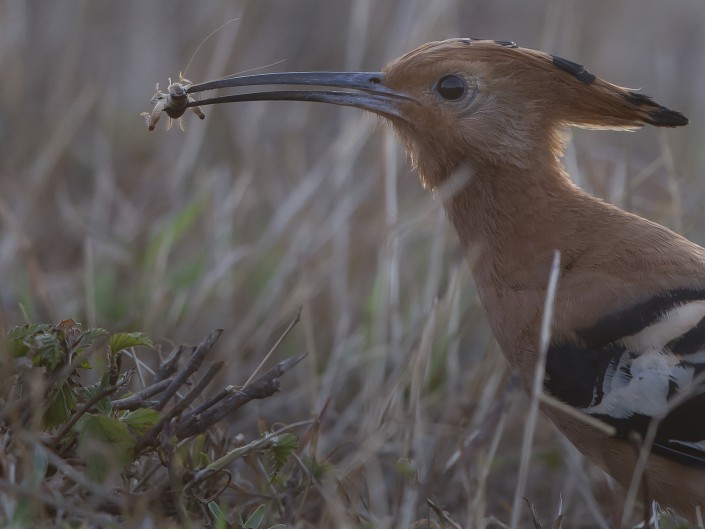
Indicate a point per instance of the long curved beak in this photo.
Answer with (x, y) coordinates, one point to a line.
(371, 93)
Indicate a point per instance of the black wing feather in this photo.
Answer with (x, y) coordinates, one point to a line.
(585, 374)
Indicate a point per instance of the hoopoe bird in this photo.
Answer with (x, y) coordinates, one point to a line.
(628, 332)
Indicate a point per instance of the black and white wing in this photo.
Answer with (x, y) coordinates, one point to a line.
(629, 365)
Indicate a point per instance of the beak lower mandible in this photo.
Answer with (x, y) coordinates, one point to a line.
(371, 92)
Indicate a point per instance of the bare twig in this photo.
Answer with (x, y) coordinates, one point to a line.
(169, 366)
(150, 438)
(258, 444)
(191, 367)
(443, 515)
(263, 387)
(215, 399)
(139, 399)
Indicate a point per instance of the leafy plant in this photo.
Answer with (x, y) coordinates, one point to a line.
(93, 432)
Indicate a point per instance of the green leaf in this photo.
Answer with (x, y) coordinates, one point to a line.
(104, 443)
(282, 447)
(218, 515)
(49, 351)
(85, 340)
(104, 406)
(141, 420)
(19, 335)
(18, 348)
(123, 340)
(60, 408)
(256, 519)
(20, 332)
(91, 335)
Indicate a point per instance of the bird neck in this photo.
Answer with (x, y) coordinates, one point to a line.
(510, 220)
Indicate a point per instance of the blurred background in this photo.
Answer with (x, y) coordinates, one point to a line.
(266, 207)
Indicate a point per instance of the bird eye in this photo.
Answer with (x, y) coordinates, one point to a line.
(451, 87)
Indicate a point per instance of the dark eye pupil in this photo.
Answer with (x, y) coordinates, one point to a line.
(451, 87)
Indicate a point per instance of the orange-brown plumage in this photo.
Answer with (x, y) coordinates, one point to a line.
(485, 120)
(519, 206)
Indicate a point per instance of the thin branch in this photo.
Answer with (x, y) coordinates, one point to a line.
(263, 387)
(258, 444)
(150, 438)
(443, 515)
(139, 399)
(191, 367)
(169, 366)
(215, 399)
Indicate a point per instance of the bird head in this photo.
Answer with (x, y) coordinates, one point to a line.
(468, 101)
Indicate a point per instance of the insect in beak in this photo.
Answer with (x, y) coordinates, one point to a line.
(174, 102)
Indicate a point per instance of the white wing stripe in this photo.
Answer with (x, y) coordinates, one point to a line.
(669, 326)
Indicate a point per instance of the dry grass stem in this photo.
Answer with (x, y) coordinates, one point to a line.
(537, 390)
(274, 347)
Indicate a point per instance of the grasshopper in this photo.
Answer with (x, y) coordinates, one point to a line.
(173, 102)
